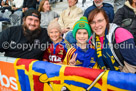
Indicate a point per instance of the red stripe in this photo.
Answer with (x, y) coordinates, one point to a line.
(72, 50)
(38, 86)
(83, 72)
(25, 62)
(55, 82)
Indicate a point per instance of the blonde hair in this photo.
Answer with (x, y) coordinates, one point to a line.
(41, 5)
(54, 25)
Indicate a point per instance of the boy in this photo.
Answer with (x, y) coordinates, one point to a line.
(56, 51)
(81, 54)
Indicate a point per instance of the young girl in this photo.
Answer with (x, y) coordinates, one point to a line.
(81, 54)
(56, 51)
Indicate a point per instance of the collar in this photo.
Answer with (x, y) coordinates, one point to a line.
(73, 7)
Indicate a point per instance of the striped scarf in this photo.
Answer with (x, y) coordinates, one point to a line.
(105, 58)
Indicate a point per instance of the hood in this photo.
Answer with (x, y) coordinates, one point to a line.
(129, 6)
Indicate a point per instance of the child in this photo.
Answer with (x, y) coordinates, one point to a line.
(81, 54)
(56, 51)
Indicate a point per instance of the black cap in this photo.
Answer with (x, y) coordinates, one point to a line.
(32, 12)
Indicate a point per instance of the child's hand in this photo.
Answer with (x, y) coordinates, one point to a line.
(72, 62)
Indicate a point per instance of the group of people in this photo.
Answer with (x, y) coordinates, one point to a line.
(97, 42)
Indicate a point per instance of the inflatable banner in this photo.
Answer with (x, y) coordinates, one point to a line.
(7, 77)
(34, 75)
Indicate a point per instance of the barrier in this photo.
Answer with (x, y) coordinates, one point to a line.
(34, 75)
(7, 75)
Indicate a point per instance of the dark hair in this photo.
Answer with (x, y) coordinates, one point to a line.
(95, 12)
(131, 2)
(31, 12)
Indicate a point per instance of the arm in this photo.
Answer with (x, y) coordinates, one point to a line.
(68, 56)
(60, 20)
(129, 53)
(4, 37)
(46, 55)
(88, 10)
(119, 16)
(111, 14)
(126, 45)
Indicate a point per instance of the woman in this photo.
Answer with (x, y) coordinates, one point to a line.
(104, 38)
(126, 17)
(47, 14)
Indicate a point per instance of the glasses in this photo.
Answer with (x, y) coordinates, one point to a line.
(98, 22)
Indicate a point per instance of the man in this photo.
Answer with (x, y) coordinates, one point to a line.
(99, 4)
(27, 40)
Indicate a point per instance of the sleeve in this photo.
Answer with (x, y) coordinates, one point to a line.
(122, 34)
(4, 37)
(119, 16)
(88, 10)
(67, 45)
(128, 51)
(46, 54)
(126, 45)
(111, 14)
(60, 21)
(68, 56)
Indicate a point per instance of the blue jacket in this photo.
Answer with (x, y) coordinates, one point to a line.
(84, 59)
(107, 7)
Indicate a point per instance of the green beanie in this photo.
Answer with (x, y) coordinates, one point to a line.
(81, 24)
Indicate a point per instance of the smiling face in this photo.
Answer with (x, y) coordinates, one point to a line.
(72, 2)
(46, 6)
(32, 23)
(54, 35)
(81, 36)
(98, 24)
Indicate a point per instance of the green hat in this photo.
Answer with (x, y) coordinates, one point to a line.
(81, 24)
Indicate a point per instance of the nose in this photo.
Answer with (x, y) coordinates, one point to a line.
(96, 24)
(32, 22)
(82, 35)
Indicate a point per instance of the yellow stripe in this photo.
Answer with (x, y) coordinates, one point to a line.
(115, 88)
(72, 50)
(16, 74)
(104, 81)
(78, 22)
(31, 75)
(68, 56)
(61, 73)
